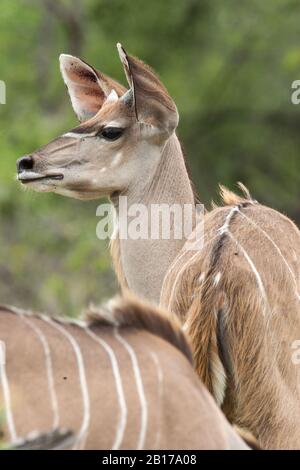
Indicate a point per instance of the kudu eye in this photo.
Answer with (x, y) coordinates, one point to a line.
(111, 133)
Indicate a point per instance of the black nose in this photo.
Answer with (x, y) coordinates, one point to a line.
(25, 163)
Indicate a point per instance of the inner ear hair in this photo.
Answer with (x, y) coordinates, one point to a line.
(88, 88)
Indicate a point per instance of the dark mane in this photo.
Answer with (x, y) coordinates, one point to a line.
(229, 198)
(129, 312)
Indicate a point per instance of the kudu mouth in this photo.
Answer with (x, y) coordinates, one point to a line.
(26, 173)
(30, 177)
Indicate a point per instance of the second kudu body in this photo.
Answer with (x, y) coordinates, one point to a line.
(239, 295)
(112, 380)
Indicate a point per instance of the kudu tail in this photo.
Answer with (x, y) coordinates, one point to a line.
(202, 328)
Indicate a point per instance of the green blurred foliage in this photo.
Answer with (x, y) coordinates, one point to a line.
(228, 65)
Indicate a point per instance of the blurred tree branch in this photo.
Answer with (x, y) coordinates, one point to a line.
(71, 15)
(44, 56)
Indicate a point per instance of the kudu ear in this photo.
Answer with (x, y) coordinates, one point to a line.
(88, 88)
(150, 99)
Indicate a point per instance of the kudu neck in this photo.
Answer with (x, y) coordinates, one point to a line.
(144, 262)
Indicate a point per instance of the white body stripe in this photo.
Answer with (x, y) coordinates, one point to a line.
(277, 249)
(190, 260)
(82, 379)
(140, 389)
(176, 260)
(160, 376)
(221, 231)
(49, 369)
(119, 386)
(225, 227)
(252, 265)
(7, 402)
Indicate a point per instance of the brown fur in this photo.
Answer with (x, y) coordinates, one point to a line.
(116, 258)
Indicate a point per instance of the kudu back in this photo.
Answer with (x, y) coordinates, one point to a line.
(121, 379)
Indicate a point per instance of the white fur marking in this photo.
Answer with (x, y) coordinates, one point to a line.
(82, 378)
(117, 159)
(49, 369)
(221, 231)
(108, 311)
(75, 135)
(119, 386)
(225, 227)
(295, 256)
(140, 389)
(160, 377)
(217, 279)
(113, 124)
(252, 265)
(112, 97)
(28, 175)
(190, 260)
(218, 380)
(277, 249)
(7, 402)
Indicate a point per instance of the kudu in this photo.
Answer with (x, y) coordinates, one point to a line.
(121, 379)
(238, 296)
(124, 146)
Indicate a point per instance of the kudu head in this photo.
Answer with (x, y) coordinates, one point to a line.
(120, 139)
